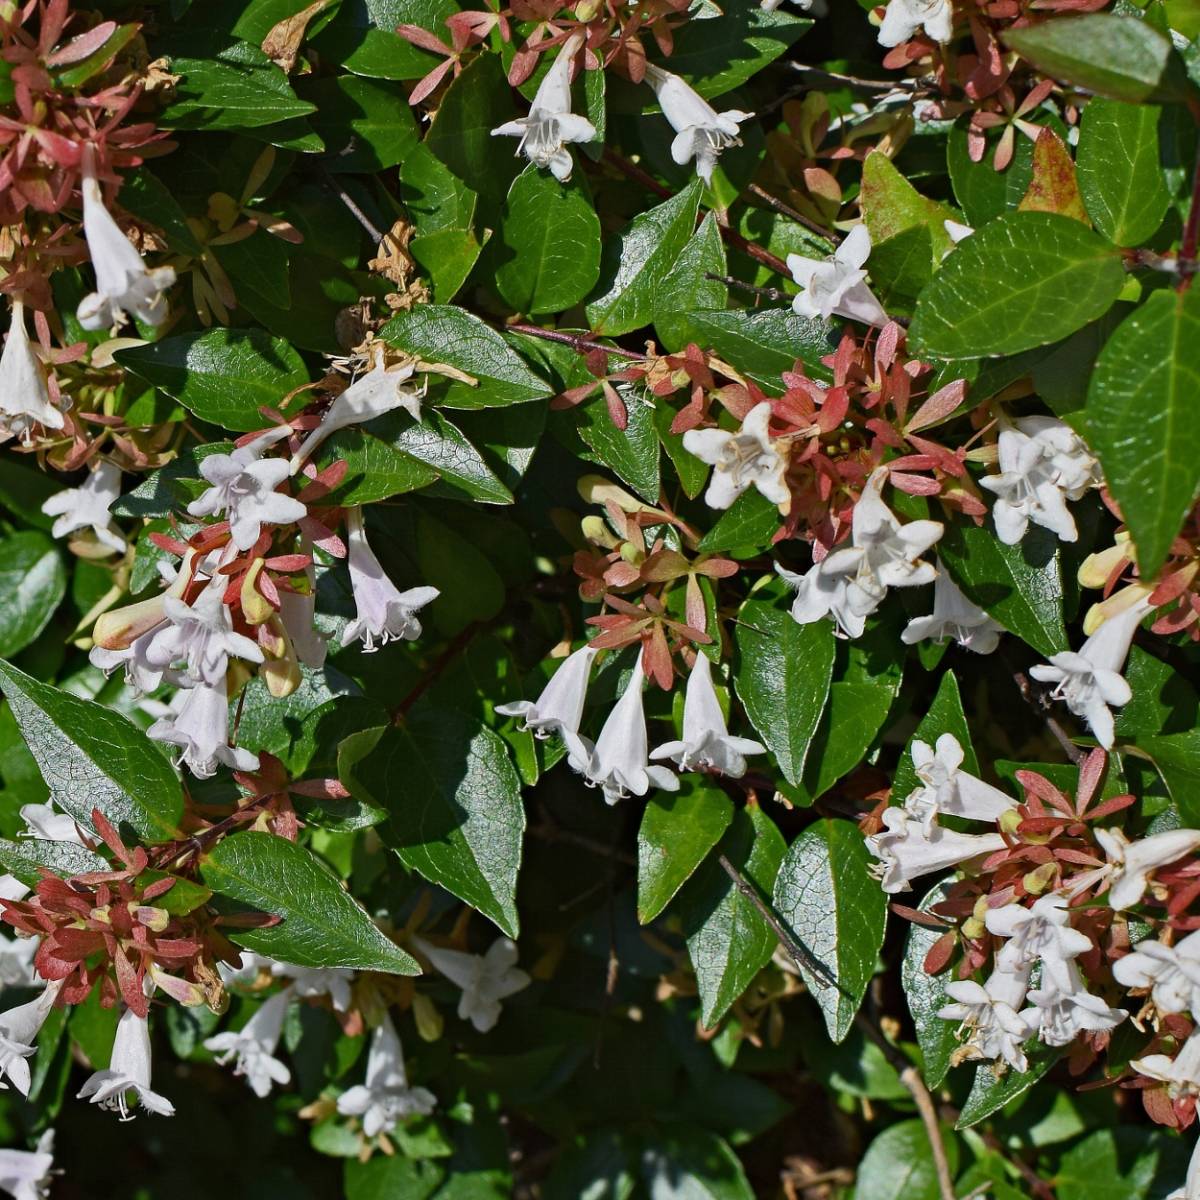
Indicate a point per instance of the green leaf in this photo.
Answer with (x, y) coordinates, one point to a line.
(891, 205)
(1123, 58)
(1118, 1164)
(1177, 757)
(834, 906)
(222, 375)
(33, 582)
(175, 484)
(678, 830)
(990, 1092)
(783, 678)
(1139, 419)
(375, 469)
(728, 940)
(984, 192)
(600, 1167)
(455, 807)
(442, 334)
(683, 1162)
(92, 757)
(390, 1176)
(440, 446)
(24, 490)
(1117, 166)
(151, 201)
(362, 39)
(635, 264)
(1019, 586)
(321, 924)
(750, 522)
(926, 994)
(547, 249)
(944, 715)
(688, 288)
(765, 342)
(1025, 279)
(898, 1165)
(26, 857)
(631, 452)
(366, 126)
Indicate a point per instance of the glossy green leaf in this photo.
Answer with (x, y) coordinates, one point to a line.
(685, 1162)
(689, 286)
(1023, 280)
(1177, 757)
(898, 1165)
(222, 375)
(455, 807)
(834, 907)
(366, 125)
(631, 452)
(321, 924)
(926, 995)
(677, 832)
(33, 582)
(765, 342)
(26, 858)
(991, 1092)
(92, 757)
(982, 191)
(750, 521)
(440, 446)
(1140, 422)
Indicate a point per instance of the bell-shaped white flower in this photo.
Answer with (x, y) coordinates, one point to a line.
(1170, 973)
(310, 982)
(1130, 864)
(485, 979)
(619, 763)
(201, 729)
(908, 849)
(1089, 680)
(850, 584)
(24, 394)
(701, 133)
(383, 612)
(946, 788)
(1039, 933)
(201, 635)
(298, 612)
(88, 505)
(243, 487)
(124, 284)
(381, 390)
(706, 743)
(551, 124)
(991, 1024)
(16, 958)
(749, 457)
(904, 17)
(1043, 464)
(140, 675)
(386, 1098)
(44, 821)
(1063, 1008)
(1181, 1074)
(252, 1048)
(26, 1174)
(836, 286)
(954, 618)
(560, 706)
(19, 1028)
(128, 1071)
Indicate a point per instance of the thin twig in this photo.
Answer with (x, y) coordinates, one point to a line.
(853, 81)
(830, 235)
(354, 210)
(1038, 704)
(430, 677)
(582, 344)
(729, 281)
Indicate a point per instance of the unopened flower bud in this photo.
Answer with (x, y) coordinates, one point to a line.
(155, 919)
(1038, 880)
(429, 1020)
(256, 608)
(1010, 821)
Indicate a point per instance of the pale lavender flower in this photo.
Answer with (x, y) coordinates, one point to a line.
(385, 1098)
(252, 1048)
(990, 1023)
(201, 729)
(24, 393)
(19, 1028)
(904, 17)
(954, 618)
(560, 706)
(88, 505)
(907, 849)
(26, 1174)
(1063, 1009)
(1170, 973)
(202, 636)
(1039, 933)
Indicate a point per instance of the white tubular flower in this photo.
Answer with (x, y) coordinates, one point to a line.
(11, 888)
(485, 979)
(310, 982)
(16, 958)
(1043, 464)
(202, 636)
(24, 395)
(1170, 973)
(551, 124)
(298, 612)
(77, 508)
(247, 971)
(140, 675)
(201, 729)
(700, 131)
(379, 391)
(19, 1028)
(26, 1174)
(619, 763)
(253, 1046)
(955, 618)
(124, 284)
(46, 822)
(382, 610)
(386, 1098)
(946, 788)
(750, 456)
(1191, 1185)
(1065, 1009)
(560, 706)
(1089, 680)
(906, 849)
(1039, 933)
(243, 486)
(706, 743)
(836, 286)
(1181, 1074)
(128, 1071)
(904, 17)
(1130, 864)
(851, 583)
(991, 1025)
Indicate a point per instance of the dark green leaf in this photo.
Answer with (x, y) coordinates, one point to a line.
(990, 1092)
(365, 125)
(1177, 757)
(750, 522)
(687, 1163)
(688, 288)
(33, 582)
(899, 1165)
(926, 995)
(631, 452)
(765, 342)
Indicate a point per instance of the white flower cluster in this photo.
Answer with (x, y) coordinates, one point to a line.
(620, 761)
